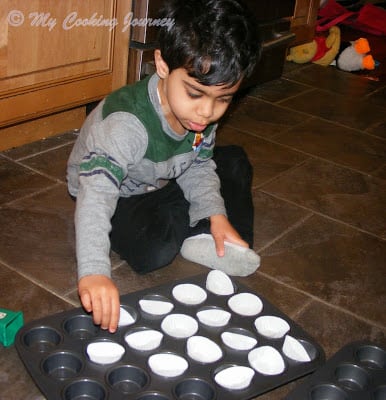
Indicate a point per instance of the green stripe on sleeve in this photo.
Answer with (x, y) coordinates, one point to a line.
(98, 162)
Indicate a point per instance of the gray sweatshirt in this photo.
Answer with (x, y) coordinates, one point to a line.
(119, 153)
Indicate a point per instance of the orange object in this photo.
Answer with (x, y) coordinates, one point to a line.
(362, 46)
(368, 62)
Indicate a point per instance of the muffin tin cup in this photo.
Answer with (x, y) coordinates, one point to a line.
(355, 372)
(62, 365)
(127, 379)
(42, 339)
(84, 389)
(80, 327)
(54, 351)
(194, 388)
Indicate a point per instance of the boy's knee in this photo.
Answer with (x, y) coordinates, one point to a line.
(158, 256)
(153, 247)
(233, 164)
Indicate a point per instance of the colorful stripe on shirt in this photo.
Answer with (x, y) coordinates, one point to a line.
(97, 164)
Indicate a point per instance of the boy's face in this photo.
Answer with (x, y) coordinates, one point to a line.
(187, 104)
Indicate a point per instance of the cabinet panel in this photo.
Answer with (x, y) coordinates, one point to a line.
(49, 45)
(55, 55)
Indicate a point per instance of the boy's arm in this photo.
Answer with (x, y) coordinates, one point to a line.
(94, 209)
(201, 185)
(104, 163)
(103, 152)
(97, 291)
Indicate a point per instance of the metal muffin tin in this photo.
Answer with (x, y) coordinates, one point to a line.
(356, 372)
(53, 350)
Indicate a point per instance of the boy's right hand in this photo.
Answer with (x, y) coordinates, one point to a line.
(100, 296)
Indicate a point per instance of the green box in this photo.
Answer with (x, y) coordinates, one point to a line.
(10, 323)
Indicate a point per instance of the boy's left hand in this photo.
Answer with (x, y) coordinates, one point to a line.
(222, 231)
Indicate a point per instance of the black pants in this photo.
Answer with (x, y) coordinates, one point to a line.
(149, 229)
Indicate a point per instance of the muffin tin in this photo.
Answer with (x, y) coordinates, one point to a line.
(197, 344)
(356, 372)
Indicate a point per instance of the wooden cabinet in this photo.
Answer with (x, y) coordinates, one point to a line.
(304, 21)
(56, 56)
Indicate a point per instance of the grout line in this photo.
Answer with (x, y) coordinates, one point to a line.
(324, 215)
(292, 127)
(309, 155)
(302, 308)
(318, 299)
(308, 90)
(281, 174)
(375, 91)
(374, 125)
(285, 232)
(319, 158)
(31, 279)
(296, 166)
(68, 293)
(30, 195)
(290, 77)
(280, 105)
(37, 153)
(118, 265)
(45, 151)
(36, 171)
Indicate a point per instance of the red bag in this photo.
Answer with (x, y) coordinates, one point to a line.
(369, 18)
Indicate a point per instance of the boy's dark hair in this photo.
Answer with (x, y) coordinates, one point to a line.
(214, 40)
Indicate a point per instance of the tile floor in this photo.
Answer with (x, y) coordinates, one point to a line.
(316, 138)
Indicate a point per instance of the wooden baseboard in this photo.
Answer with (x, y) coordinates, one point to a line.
(40, 128)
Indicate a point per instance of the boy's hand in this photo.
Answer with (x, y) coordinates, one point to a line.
(100, 296)
(222, 230)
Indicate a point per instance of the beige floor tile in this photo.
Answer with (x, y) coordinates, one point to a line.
(349, 111)
(272, 217)
(334, 263)
(332, 79)
(316, 137)
(333, 328)
(18, 181)
(278, 90)
(268, 159)
(52, 163)
(28, 150)
(351, 197)
(261, 118)
(39, 241)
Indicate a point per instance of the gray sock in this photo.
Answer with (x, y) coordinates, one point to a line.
(237, 260)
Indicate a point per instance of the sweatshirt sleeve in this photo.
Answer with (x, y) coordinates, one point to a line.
(201, 185)
(107, 151)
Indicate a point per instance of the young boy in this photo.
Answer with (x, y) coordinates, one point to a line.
(142, 170)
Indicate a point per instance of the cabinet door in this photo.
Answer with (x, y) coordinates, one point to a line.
(55, 55)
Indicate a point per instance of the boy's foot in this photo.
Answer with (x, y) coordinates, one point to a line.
(237, 260)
